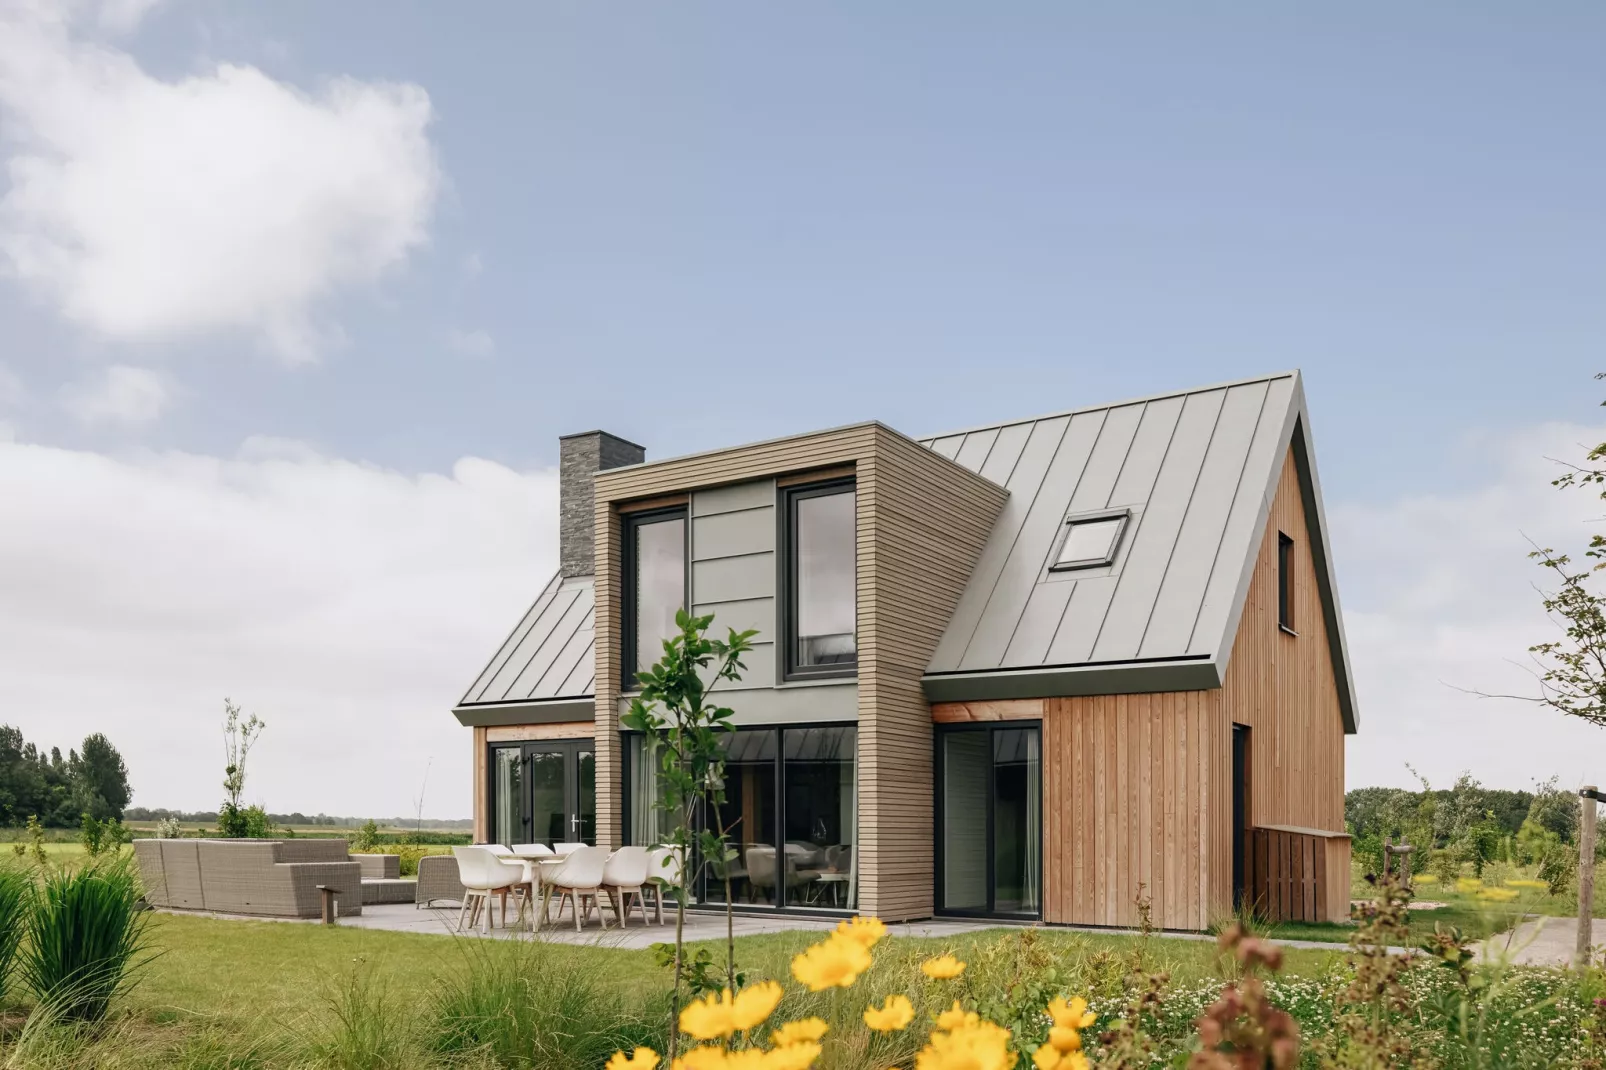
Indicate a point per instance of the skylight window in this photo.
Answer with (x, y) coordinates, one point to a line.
(1090, 541)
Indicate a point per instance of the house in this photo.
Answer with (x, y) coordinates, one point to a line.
(1038, 669)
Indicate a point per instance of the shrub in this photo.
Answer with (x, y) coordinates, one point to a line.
(535, 1005)
(169, 828)
(16, 901)
(368, 1032)
(86, 938)
(366, 839)
(1446, 866)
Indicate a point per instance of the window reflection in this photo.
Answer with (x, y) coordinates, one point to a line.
(824, 579)
(659, 556)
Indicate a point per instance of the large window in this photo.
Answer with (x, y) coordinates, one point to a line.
(655, 585)
(543, 792)
(990, 819)
(821, 565)
(790, 812)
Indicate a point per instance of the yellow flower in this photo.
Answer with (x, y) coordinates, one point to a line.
(867, 931)
(754, 1004)
(641, 1059)
(709, 1017)
(978, 1046)
(1467, 884)
(1499, 895)
(799, 1031)
(895, 1014)
(835, 962)
(1073, 1060)
(1072, 1015)
(707, 1057)
(799, 1056)
(1046, 1057)
(1524, 883)
(942, 968)
(1425, 878)
(747, 1059)
(1065, 1038)
(956, 1016)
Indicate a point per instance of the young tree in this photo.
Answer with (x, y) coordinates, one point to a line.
(673, 709)
(238, 738)
(100, 779)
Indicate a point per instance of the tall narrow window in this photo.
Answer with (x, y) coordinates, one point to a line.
(655, 585)
(821, 580)
(1285, 582)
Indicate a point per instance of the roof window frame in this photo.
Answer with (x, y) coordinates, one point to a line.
(1122, 513)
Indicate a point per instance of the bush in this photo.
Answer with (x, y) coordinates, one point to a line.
(86, 938)
(16, 902)
(538, 1005)
(169, 828)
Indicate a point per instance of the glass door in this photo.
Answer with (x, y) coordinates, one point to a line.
(543, 792)
(990, 821)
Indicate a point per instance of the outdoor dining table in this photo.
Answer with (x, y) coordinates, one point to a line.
(533, 866)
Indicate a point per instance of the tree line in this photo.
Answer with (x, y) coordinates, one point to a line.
(57, 790)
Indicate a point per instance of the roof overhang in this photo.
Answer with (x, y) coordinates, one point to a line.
(1114, 678)
(544, 711)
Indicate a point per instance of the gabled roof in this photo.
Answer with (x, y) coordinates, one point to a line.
(546, 659)
(1198, 471)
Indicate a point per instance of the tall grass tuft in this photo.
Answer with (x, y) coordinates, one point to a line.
(16, 904)
(85, 939)
(367, 1030)
(531, 1005)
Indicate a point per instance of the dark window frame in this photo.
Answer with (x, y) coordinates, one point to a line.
(940, 733)
(627, 586)
(786, 585)
(1285, 583)
(1123, 515)
(571, 748)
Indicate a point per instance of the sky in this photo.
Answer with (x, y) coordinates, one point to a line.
(295, 300)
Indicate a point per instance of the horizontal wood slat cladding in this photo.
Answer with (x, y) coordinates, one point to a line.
(927, 520)
(1283, 687)
(1022, 709)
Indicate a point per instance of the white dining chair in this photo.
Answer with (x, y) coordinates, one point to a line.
(483, 875)
(663, 873)
(564, 849)
(579, 878)
(625, 875)
(532, 850)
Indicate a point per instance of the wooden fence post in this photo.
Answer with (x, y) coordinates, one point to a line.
(1588, 797)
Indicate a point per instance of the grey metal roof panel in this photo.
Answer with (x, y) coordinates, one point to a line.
(1196, 468)
(548, 652)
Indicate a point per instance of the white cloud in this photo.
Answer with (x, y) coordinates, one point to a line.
(471, 343)
(225, 201)
(12, 392)
(118, 395)
(347, 605)
(1438, 594)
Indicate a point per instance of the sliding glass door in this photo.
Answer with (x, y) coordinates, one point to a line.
(790, 813)
(543, 792)
(990, 822)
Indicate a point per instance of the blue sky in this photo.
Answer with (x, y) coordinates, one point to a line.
(698, 224)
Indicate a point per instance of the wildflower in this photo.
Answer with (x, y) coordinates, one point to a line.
(1072, 1015)
(754, 1004)
(942, 968)
(893, 1015)
(709, 1017)
(1525, 883)
(955, 1017)
(640, 1059)
(804, 1029)
(867, 931)
(1425, 878)
(706, 1057)
(799, 1056)
(835, 962)
(973, 1046)
(1498, 895)
(1467, 884)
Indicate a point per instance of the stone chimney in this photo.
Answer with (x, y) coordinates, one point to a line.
(580, 458)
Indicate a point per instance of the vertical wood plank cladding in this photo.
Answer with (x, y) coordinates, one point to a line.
(481, 818)
(1283, 687)
(1124, 804)
(922, 524)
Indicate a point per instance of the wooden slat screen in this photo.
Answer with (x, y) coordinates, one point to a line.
(1289, 877)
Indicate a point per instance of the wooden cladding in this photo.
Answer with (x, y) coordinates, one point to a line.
(1298, 874)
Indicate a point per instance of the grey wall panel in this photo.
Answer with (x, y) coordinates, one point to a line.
(1156, 537)
(745, 531)
(759, 492)
(1025, 479)
(743, 614)
(759, 671)
(1006, 453)
(1109, 455)
(1038, 623)
(1079, 625)
(731, 579)
(949, 446)
(579, 645)
(511, 643)
(1229, 576)
(1037, 532)
(973, 454)
(1148, 450)
(540, 632)
(573, 618)
(1177, 605)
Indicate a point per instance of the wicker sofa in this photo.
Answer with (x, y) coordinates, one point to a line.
(270, 878)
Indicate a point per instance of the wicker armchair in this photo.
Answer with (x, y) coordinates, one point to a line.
(437, 879)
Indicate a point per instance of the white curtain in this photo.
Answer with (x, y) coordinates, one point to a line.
(1031, 878)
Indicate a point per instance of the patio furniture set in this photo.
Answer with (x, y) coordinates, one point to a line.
(574, 873)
